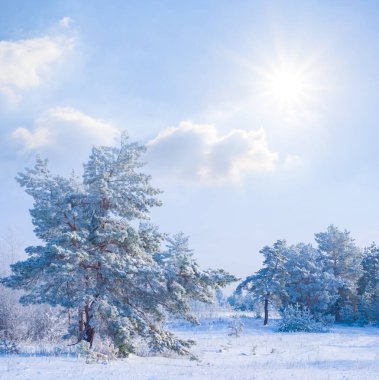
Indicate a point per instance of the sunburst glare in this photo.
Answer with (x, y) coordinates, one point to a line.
(288, 87)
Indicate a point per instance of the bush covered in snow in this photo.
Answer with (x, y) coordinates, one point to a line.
(235, 326)
(297, 318)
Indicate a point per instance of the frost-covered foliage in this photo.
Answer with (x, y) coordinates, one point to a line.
(184, 279)
(34, 323)
(8, 347)
(308, 283)
(368, 286)
(268, 284)
(91, 356)
(330, 279)
(297, 318)
(100, 258)
(342, 258)
(207, 310)
(244, 301)
(235, 326)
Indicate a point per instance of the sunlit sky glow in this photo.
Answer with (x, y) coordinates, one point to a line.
(260, 117)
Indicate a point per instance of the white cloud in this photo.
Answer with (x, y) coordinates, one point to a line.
(199, 153)
(65, 22)
(24, 64)
(41, 137)
(64, 129)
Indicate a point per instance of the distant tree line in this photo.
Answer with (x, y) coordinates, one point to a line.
(336, 279)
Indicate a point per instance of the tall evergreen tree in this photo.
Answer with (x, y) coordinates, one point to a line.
(100, 256)
(341, 257)
(368, 286)
(308, 285)
(268, 284)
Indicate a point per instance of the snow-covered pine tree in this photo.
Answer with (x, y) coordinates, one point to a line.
(341, 257)
(184, 279)
(308, 285)
(268, 284)
(368, 286)
(98, 256)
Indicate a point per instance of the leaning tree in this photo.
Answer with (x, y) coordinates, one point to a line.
(102, 260)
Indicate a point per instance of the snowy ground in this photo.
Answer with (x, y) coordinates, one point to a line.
(346, 353)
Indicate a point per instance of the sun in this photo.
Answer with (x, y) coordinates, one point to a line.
(287, 85)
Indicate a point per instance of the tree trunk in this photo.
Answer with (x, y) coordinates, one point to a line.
(355, 308)
(337, 308)
(86, 331)
(89, 331)
(81, 324)
(266, 312)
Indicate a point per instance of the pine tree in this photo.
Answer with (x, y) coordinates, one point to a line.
(184, 279)
(368, 286)
(342, 258)
(99, 256)
(308, 285)
(268, 284)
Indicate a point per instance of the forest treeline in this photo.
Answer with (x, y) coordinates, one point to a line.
(335, 280)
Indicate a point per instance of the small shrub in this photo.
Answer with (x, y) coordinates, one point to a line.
(297, 318)
(235, 326)
(7, 347)
(90, 355)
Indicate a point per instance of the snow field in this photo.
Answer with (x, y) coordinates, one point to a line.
(346, 353)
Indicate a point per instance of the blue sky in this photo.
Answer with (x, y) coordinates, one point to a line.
(261, 117)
